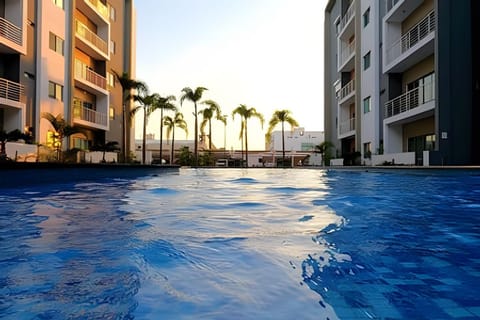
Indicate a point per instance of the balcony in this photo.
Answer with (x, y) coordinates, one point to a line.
(346, 56)
(347, 27)
(11, 37)
(346, 128)
(11, 93)
(412, 47)
(422, 96)
(84, 114)
(99, 8)
(346, 92)
(88, 79)
(91, 43)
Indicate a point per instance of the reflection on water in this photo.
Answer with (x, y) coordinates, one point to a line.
(236, 244)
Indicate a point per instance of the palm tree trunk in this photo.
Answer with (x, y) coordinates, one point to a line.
(161, 135)
(144, 142)
(246, 143)
(283, 144)
(173, 145)
(196, 136)
(210, 134)
(124, 133)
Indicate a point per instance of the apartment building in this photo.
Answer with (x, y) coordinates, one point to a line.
(418, 81)
(58, 57)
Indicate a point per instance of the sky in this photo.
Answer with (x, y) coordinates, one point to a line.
(266, 54)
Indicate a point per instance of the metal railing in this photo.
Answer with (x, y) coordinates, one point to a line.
(418, 32)
(82, 31)
(82, 71)
(346, 51)
(11, 90)
(410, 99)
(347, 126)
(100, 8)
(88, 114)
(347, 89)
(347, 16)
(10, 31)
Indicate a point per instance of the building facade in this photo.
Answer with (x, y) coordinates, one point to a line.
(59, 57)
(416, 81)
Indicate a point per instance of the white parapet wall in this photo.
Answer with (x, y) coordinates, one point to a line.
(336, 162)
(403, 158)
(97, 157)
(21, 151)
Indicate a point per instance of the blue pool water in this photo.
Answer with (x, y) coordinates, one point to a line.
(244, 244)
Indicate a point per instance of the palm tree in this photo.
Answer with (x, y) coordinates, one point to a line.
(128, 87)
(62, 129)
(281, 116)
(213, 109)
(246, 113)
(171, 123)
(163, 103)
(323, 149)
(146, 104)
(9, 136)
(193, 96)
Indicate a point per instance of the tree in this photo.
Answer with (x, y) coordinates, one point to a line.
(13, 135)
(193, 96)
(62, 130)
(163, 103)
(246, 113)
(281, 116)
(208, 113)
(128, 87)
(323, 148)
(146, 101)
(109, 146)
(171, 123)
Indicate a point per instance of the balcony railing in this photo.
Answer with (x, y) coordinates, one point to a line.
(347, 126)
(82, 71)
(346, 51)
(101, 8)
(410, 99)
(418, 32)
(80, 111)
(10, 31)
(347, 89)
(90, 36)
(348, 15)
(10, 90)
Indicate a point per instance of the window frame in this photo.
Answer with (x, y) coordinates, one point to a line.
(55, 91)
(367, 60)
(369, 101)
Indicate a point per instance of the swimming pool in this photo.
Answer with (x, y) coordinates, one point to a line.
(244, 244)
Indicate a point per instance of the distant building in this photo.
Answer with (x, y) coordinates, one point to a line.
(297, 140)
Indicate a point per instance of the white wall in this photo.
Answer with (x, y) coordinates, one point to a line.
(295, 139)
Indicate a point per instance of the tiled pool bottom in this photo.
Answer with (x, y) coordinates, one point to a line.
(244, 244)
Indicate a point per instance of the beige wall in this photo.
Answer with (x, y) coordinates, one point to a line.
(418, 128)
(419, 70)
(417, 15)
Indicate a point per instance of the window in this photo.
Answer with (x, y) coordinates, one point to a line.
(80, 143)
(111, 113)
(112, 46)
(58, 3)
(55, 91)
(110, 80)
(366, 105)
(56, 43)
(367, 150)
(112, 13)
(366, 61)
(366, 17)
